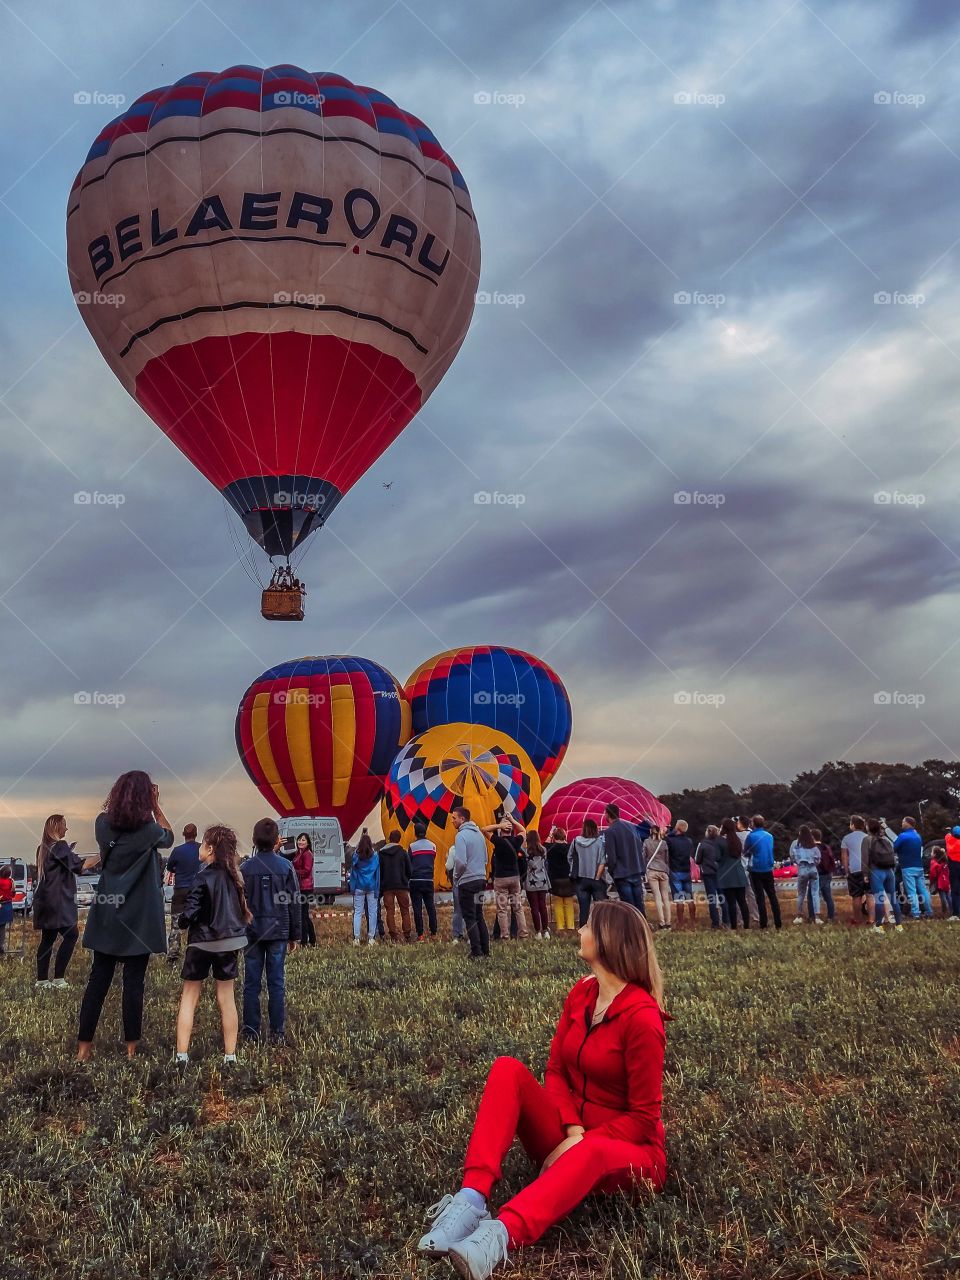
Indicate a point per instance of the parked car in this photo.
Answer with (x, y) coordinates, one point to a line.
(22, 884)
(329, 857)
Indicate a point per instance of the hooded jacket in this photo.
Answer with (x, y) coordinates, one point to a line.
(469, 855)
(586, 857)
(213, 912)
(394, 868)
(365, 874)
(609, 1078)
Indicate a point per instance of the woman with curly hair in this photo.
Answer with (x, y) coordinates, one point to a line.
(125, 925)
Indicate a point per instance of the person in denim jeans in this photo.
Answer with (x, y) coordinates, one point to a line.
(908, 847)
(806, 854)
(273, 897)
(879, 861)
(365, 887)
(828, 865)
(707, 858)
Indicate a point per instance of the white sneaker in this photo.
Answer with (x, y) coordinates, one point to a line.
(451, 1219)
(356, 942)
(878, 928)
(546, 934)
(59, 982)
(798, 920)
(898, 928)
(538, 937)
(952, 919)
(456, 940)
(479, 1255)
(371, 942)
(43, 984)
(817, 920)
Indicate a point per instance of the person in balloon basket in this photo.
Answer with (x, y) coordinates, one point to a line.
(395, 872)
(624, 856)
(303, 866)
(594, 1125)
(125, 925)
(423, 858)
(273, 898)
(183, 867)
(470, 879)
(216, 915)
(365, 887)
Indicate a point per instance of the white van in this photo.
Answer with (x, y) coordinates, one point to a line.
(328, 852)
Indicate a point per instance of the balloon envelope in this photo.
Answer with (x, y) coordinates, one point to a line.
(453, 764)
(279, 266)
(568, 807)
(317, 736)
(503, 688)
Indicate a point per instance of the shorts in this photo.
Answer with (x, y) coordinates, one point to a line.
(857, 884)
(197, 965)
(681, 886)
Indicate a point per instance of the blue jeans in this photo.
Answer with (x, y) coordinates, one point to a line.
(715, 900)
(883, 886)
(681, 886)
(631, 890)
(456, 924)
(826, 893)
(364, 898)
(257, 957)
(916, 890)
(588, 892)
(808, 881)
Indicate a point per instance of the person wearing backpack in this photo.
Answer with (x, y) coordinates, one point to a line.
(879, 861)
(656, 853)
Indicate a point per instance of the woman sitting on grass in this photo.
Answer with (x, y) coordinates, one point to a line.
(217, 916)
(593, 1125)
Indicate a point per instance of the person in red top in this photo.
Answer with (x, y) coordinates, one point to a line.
(7, 890)
(952, 843)
(593, 1125)
(303, 866)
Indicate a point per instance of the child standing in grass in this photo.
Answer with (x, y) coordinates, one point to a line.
(6, 906)
(217, 916)
(940, 878)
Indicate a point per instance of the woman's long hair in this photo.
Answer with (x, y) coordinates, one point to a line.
(303, 836)
(805, 838)
(624, 943)
(129, 805)
(54, 829)
(534, 848)
(223, 841)
(728, 833)
(365, 847)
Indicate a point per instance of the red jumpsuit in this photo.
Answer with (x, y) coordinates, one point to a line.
(607, 1078)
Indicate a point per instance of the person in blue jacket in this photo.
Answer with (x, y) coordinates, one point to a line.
(908, 847)
(365, 887)
(758, 849)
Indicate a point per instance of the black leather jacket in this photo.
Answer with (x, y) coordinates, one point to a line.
(213, 910)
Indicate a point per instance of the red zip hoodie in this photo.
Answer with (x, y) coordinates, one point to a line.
(609, 1078)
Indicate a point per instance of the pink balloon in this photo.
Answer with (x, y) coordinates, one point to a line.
(568, 807)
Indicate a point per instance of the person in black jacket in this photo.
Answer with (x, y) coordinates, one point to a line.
(680, 848)
(217, 916)
(126, 922)
(55, 900)
(623, 854)
(272, 893)
(395, 869)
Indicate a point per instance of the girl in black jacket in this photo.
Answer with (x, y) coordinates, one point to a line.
(55, 900)
(216, 916)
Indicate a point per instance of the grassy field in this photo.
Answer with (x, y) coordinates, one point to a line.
(812, 1114)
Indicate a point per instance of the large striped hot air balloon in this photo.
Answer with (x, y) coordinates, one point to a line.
(279, 266)
(506, 689)
(455, 764)
(588, 798)
(318, 735)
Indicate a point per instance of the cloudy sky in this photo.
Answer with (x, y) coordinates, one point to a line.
(725, 240)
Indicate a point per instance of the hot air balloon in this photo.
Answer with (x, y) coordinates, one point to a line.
(317, 736)
(504, 688)
(453, 764)
(279, 266)
(588, 798)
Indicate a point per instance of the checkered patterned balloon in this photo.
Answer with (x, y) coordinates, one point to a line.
(453, 764)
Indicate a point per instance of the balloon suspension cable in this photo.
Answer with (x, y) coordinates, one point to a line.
(244, 553)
